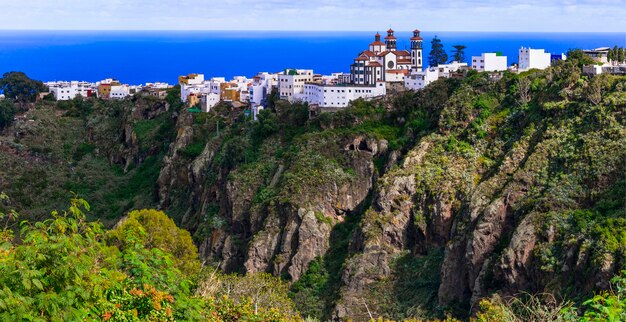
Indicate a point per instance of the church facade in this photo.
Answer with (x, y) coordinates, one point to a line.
(383, 62)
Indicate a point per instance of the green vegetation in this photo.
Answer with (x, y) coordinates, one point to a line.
(548, 143)
(459, 53)
(83, 145)
(146, 269)
(437, 55)
(18, 87)
(604, 306)
(7, 113)
(411, 290)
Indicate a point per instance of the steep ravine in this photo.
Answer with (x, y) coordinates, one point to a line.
(306, 195)
(485, 200)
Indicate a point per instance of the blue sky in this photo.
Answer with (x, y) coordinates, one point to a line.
(446, 15)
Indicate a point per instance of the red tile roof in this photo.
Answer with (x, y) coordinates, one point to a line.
(377, 43)
(401, 53)
(374, 64)
(398, 71)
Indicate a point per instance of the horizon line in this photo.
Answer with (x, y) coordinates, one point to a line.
(302, 31)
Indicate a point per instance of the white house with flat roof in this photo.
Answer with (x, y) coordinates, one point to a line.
(119, 91)
(291, 83)
(444, 70)
(421, 79)
(599, 54)
(68, 90)
(533, 58)
(338, 96)
(489, 62)
(208, 101)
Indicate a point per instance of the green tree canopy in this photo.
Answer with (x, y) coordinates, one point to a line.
(437, 54)
(579, 57)
(156, 230)
(7, 113)
(459, 53)
(19, 87)
(63, 269)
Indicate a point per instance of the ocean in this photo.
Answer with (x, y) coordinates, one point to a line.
(137, 57)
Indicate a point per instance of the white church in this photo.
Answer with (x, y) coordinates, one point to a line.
(383, 62)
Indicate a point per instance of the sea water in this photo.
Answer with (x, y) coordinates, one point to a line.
(137, 57)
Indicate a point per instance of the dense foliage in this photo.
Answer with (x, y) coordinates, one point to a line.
(66, 268)
(564, 130)
(17, 86)
(459, 53)
(437, 55)
(7, 113)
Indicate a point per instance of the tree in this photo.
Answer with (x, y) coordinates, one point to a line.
(262, 291)
(620, 55)
(615, 54)
(610, 56)
(7, 113)
(579, 57)
(459, 53)
(158, 231)
(437, 55)
(17, 86)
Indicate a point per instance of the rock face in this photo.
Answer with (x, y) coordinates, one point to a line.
(281, 236)
(489, 206)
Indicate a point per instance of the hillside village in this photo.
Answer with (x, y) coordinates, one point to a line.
(377, 70)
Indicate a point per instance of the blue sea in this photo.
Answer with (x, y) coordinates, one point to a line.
(138, 57)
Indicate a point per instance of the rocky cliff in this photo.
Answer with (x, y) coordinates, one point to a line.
(480, 181)
(417, 205)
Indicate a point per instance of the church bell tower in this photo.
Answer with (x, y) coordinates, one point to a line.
(390, 40)
(416, 51)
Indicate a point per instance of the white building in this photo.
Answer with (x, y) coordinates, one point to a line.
(489, 62)
(192, 84)
(291, 83)
(533, 58)
(208, 101)
(599, 54)
(421, 79)
(262, 84)
(338, 96)
(158, 85)
(119, 91)
(215, 84)
(68, 90)
(445, 70)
